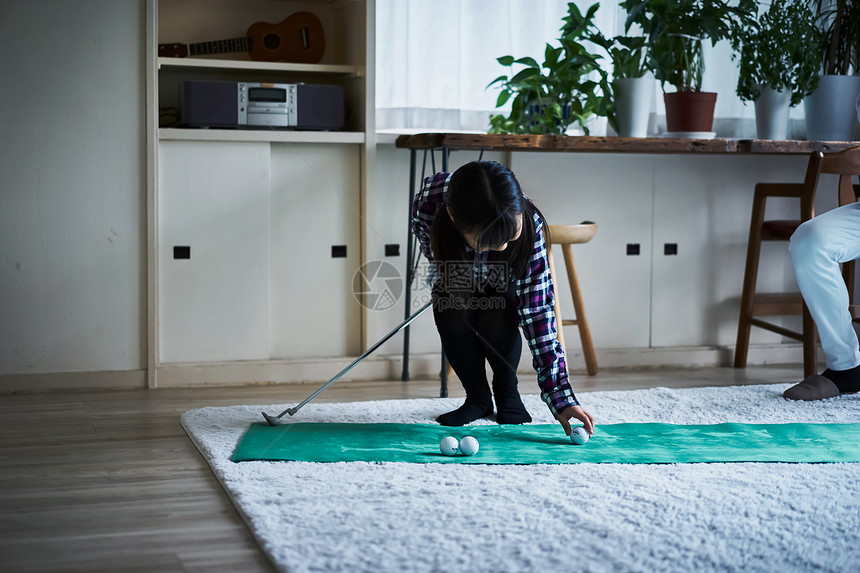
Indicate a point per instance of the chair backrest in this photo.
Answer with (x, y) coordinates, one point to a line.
(810, 184)
(845, 164)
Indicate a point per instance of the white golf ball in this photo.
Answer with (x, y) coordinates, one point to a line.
(449, 446)
(578, 435)
(469, 446)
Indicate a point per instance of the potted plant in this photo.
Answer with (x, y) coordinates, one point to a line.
(829, 109)
(777, 67)
(675, 31)
(631, 86)
(569, 87)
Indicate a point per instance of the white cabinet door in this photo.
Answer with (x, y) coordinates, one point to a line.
(315, 198)
(616, 287)
(214, 200)
(696, 292)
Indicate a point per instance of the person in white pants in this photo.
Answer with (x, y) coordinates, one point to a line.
(817, 248)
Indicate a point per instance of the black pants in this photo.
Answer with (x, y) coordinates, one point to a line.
(477, 328)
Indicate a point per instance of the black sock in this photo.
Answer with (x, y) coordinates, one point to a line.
(848, 381)
(465, 414)
(510, 409)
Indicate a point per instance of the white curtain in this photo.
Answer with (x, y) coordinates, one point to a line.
(435, 58)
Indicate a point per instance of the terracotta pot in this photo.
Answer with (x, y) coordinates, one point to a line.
(690, 111)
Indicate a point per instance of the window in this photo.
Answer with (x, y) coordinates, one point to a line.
(434, 59)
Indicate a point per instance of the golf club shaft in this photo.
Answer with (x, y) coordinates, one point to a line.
(368, 352)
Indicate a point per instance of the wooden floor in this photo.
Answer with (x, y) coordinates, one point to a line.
(108, 480)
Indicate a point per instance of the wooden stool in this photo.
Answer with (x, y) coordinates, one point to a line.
(567, 235)
(753, 304)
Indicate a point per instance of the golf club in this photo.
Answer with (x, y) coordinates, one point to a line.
(275, 420)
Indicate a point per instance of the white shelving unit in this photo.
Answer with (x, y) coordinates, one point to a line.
(255, 209)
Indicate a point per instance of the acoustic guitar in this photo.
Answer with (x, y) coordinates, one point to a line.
(297, 39)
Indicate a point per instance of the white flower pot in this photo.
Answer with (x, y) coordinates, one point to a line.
(771, 114)
(830, 111)
(633, 98)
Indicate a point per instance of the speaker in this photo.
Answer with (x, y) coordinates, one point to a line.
(209, 104)
(320, 107)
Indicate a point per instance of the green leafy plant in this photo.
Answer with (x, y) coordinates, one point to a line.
(840, 48)
(675, 30)
(778, 54)
(568, 87)
(629, 57)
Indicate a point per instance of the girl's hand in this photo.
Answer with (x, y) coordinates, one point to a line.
(575, 412)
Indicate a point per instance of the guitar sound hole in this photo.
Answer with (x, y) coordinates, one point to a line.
(272, 41)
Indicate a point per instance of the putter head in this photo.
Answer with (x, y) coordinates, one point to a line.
(272, 420)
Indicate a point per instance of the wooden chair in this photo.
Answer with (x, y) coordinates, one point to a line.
(565, 236)
(753, 304)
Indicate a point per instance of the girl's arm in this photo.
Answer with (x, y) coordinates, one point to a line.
(536, 298)
(426, 204)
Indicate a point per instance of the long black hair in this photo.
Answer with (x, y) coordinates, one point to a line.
(486, 200)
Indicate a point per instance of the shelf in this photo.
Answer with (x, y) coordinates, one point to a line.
(273, 136)
(206, 63)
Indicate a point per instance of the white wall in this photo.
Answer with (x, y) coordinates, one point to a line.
(72, 186)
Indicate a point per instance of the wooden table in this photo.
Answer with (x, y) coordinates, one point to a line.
(585, 144)
(576, 144)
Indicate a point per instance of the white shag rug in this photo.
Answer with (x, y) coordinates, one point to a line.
(357, 516)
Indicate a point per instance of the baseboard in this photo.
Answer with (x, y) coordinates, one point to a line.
(427, 365)
(274, 371)
(421, 366)
(93, 380)
(691, 356)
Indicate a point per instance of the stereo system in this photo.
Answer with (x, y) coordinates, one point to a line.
(261, 105)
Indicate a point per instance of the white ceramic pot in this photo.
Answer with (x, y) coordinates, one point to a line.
(633, 97)
(771, 114)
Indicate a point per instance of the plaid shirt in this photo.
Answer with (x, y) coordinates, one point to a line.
(535, 295)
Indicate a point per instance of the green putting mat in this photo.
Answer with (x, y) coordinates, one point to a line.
(547, 444)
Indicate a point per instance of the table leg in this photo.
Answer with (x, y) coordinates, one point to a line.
(410, 256)
(443, 391)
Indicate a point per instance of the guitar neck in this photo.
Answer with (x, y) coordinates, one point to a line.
(220, 47)
(299, 38)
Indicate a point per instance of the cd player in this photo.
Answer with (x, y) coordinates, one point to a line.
(261, 105)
